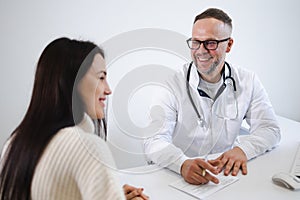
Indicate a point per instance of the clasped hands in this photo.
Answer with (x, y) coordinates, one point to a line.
(198, 171)
(133, 193)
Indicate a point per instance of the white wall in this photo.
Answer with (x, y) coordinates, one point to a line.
(266, 37)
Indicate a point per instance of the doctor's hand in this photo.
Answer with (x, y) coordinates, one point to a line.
(133, 193)
(231, 161)
(192, 171)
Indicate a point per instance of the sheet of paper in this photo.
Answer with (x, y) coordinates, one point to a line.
(202, 191)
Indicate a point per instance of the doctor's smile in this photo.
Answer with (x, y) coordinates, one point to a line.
(204, 59)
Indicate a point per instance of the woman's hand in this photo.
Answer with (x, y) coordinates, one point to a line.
(133, 193)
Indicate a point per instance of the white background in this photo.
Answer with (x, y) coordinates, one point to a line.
(266, 35)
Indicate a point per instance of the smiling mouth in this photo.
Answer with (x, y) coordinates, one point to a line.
(203, 59)
(102, 100)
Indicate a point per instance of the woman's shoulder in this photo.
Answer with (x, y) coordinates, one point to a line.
(87, 143)
(81, 155)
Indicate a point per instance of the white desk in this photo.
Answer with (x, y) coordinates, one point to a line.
(256, 185)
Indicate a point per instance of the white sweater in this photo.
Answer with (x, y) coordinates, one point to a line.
(76, 165)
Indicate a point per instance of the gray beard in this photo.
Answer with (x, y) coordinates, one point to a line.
(212, 68)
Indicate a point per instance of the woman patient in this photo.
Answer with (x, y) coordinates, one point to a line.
(56, 152)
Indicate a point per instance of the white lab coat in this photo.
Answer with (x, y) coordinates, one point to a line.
(176, 135)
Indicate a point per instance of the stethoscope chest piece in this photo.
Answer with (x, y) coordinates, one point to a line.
(201, 122)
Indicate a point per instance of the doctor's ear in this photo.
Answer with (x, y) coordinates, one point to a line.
(229, 45)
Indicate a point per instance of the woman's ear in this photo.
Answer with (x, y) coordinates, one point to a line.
(229, 45)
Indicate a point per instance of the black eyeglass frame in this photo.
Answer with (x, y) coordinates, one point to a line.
(205, 43)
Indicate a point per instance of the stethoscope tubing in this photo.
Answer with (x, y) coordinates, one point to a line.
(219, 92)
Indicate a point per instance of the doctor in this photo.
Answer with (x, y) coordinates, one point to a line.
(201, 110)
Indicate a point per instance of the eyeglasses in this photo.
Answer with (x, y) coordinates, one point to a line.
(208, 44)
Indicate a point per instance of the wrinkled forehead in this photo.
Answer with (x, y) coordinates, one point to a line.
(211, 27)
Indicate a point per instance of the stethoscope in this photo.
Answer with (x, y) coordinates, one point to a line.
(200, 120)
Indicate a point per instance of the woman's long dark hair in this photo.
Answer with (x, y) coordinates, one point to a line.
(55, 104)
